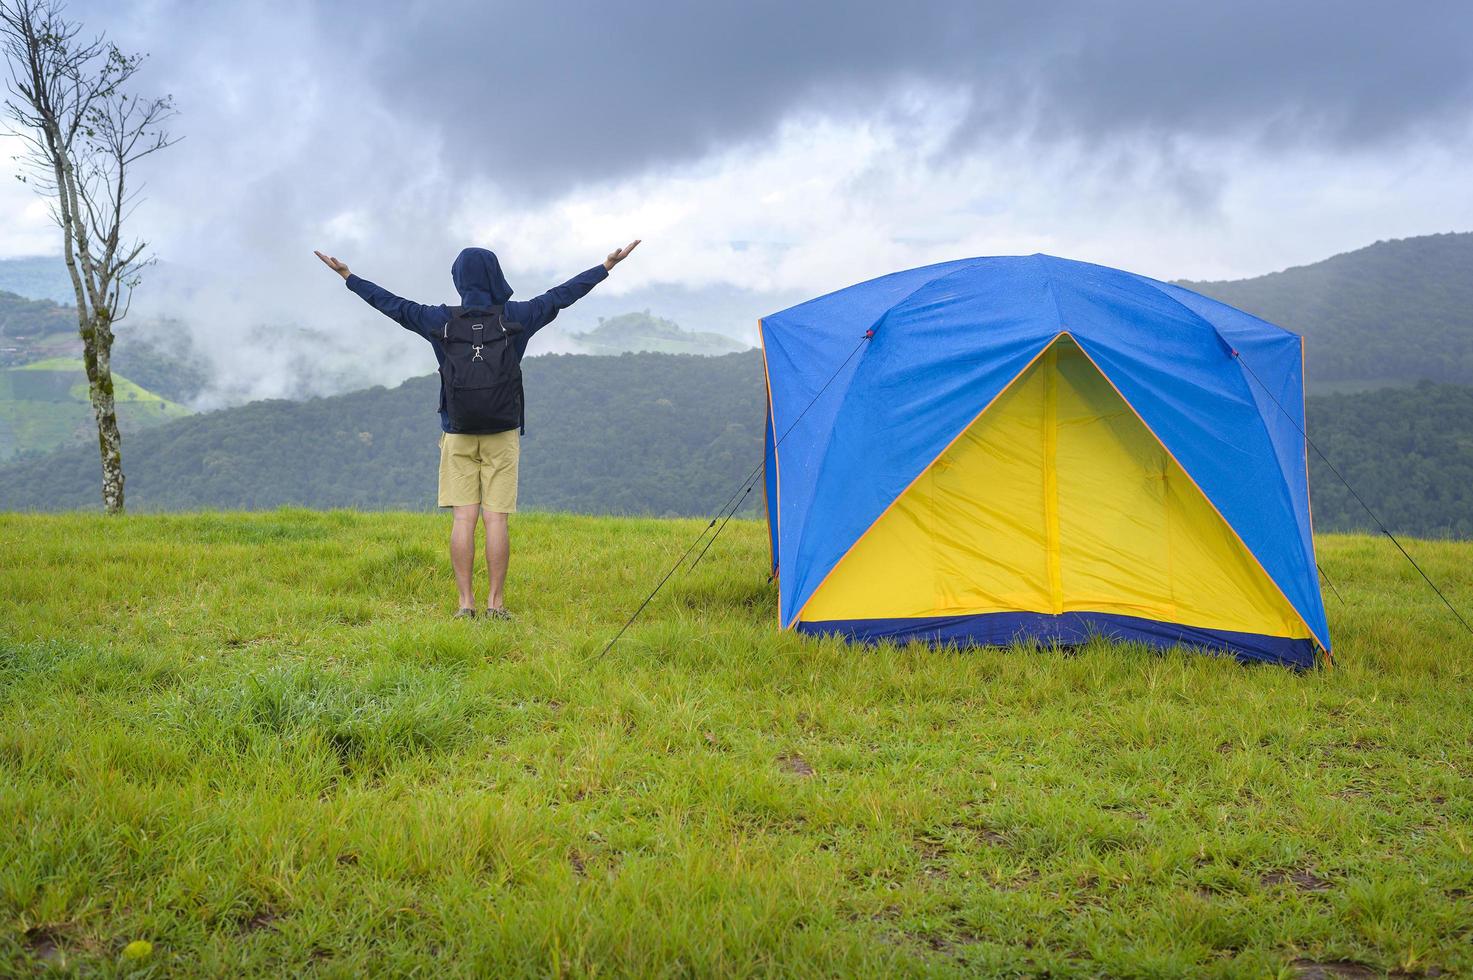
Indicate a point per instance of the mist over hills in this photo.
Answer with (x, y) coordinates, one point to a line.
(42, 277)
(655, 433)
(44, 400)
(1392, 313)
(639, 332)
(162, 360)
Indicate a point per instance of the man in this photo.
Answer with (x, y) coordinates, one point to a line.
(478, 470)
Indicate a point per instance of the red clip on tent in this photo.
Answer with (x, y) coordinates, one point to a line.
(1039, 450)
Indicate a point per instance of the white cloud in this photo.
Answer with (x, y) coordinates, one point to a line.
(824, 203)
(27, 228)
(287, 149)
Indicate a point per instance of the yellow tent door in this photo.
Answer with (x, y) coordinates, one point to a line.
(1056, 499)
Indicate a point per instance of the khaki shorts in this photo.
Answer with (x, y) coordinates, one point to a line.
(480, 470)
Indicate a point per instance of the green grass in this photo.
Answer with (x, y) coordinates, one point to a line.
(257, 742)
(123, 389)
(45, 405)
(53, 364)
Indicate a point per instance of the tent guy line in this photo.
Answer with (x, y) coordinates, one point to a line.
(733, 503)
(1384, 529)
(1330, 583)
(730, 512)
(1114, 422)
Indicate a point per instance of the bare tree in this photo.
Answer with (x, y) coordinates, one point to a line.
(83, 134)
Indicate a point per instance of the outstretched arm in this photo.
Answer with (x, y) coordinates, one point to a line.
(542, 310)
(423, 320)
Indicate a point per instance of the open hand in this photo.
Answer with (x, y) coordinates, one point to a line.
(615, 257)
(342, 269)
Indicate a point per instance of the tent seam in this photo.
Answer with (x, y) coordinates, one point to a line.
(1308, 501)
(1210, 502)
(823, 454)
(1156, 285)
(775, 511)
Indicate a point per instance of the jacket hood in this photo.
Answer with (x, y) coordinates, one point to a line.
(478, 278)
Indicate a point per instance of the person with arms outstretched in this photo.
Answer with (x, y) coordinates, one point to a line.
(479, 346)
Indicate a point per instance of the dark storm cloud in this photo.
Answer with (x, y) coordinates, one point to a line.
(535, 95)
(382, 130)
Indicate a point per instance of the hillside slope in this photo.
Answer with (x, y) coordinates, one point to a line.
(28, 324)
(637, 434)
(667, 435)
(1395, 312)
(155, 354)
(45, 404)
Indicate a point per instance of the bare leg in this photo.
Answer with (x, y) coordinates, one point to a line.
(463, 552)
(498, 556)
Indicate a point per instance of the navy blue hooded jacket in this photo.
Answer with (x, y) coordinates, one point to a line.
(481, 284)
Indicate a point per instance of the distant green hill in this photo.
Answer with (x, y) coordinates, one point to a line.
(1395, 312)
(1407, 451)
(665, 435)
(34, 328)
(662, 434)
(45, 405)
(632, 332)
(157, 354)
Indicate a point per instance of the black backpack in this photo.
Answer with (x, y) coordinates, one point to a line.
(481, 376)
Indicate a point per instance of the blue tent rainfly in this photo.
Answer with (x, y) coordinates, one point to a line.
(1032, 449)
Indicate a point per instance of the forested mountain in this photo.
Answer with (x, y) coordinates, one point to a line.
(159, 358)
(26, 322)
(636, 434)
(672, 434)
(1407, 451)
(1394, 312)
(665, 434)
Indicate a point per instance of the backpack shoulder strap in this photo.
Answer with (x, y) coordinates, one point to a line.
(508, 327)
(454, 311)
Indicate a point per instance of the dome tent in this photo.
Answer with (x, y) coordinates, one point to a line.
(1035, 449)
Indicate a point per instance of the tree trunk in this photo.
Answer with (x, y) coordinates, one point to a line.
(97, 344)
(83, 134)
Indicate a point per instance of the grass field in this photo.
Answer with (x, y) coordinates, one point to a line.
(257, 742)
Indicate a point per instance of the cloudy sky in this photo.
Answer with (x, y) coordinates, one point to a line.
(771, 151)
